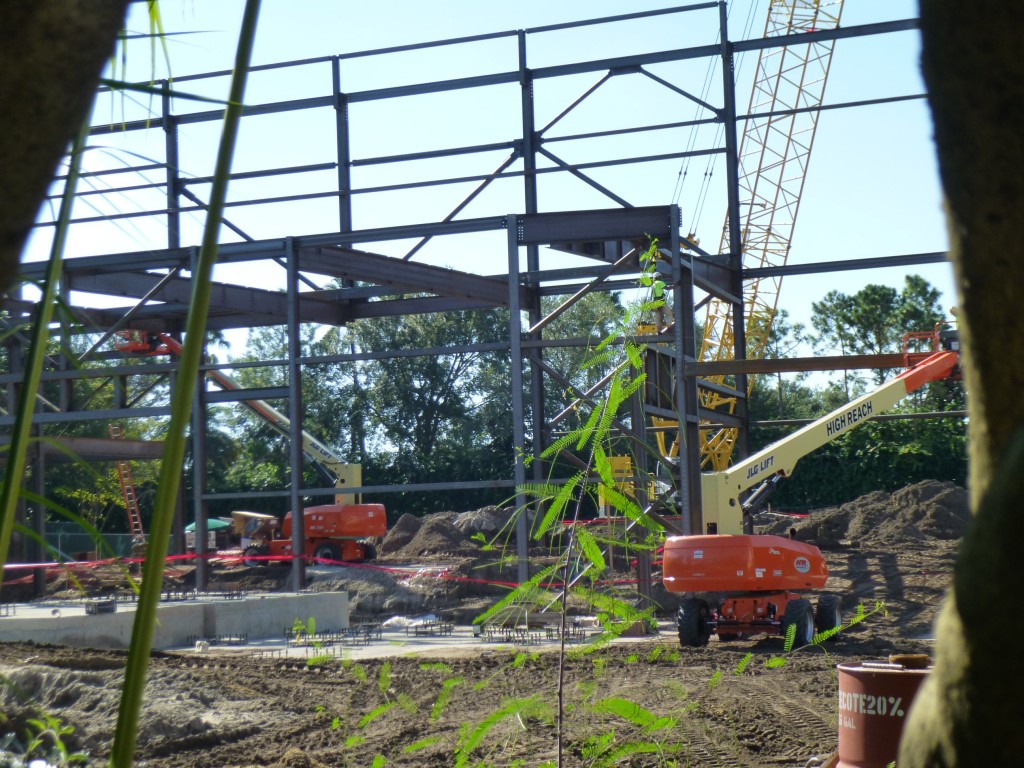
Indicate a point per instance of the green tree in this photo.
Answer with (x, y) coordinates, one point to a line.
(423, 412)
(588, 321)
(874, 320)
(879, 455)
(256, 456)
(783, 341)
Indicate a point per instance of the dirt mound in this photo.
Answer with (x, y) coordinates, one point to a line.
(488, 521)
(401, 533)
(371, 592)
(927, 510)
(437, 537)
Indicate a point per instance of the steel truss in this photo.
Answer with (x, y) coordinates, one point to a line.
(605, 242)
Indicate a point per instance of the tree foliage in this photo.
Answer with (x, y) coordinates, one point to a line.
(874, 320)
(881, 454)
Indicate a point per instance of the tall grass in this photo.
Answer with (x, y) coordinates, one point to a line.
(21, 432)
(181, 409)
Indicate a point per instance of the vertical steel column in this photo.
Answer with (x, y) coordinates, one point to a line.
(344, 150)
(171, 156)
(685, 394)
(529, 136)
(529, 152)
(36, 553)
(295, 414)
(200, 506)
(66, 385)
(732, 183)
(16, 365)
(515, 335)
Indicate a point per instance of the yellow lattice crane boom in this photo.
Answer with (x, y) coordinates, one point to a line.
(774, 150)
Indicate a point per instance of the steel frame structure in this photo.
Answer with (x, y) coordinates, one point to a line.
(604, 241)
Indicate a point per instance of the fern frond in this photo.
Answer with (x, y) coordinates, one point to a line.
(599, 358)
(556, 510)
(715, 680)
(532, 706)
(633, 713)
(528, 593)
(741, 667)
(603, 466)
(591, 551)
(445, 696)
(634, 352)
(790, 638)
(619, 754)
(589, 429)
(416, 746)
(373, 714)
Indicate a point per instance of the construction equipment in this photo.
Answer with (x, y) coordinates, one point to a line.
(772, 161)
(332, 531)
(739, 583)
(131, 501)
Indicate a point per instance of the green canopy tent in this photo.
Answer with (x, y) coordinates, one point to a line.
(215, 524)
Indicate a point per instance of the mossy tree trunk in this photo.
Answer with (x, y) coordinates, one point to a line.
(51, 55)
(966, 713)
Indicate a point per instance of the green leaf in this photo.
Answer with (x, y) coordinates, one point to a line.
(126, 732)
(625, 709)
(532, 706)
(407, 703)
(790, 638)
(422, 744)
(373, 714)
(556, 510)
(527, 593)
(155, 90)
(589, 548)
(444, 697)
(741, 667)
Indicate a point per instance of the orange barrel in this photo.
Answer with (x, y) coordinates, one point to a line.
(874, 698)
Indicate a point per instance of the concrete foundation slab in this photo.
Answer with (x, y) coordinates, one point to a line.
(254, 617)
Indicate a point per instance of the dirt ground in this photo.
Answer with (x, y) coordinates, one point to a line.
(720, 708)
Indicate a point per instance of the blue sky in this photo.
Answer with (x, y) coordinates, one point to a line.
(871, 190)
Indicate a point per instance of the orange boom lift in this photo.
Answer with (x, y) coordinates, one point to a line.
(738, 583)
(336, 532)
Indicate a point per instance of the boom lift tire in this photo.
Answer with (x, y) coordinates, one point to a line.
(827, 614)
(253, 550)
(692, 620)
(369, 551)
(327, 552)
(798, 613)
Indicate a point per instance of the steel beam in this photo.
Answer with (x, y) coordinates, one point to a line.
(403, 275)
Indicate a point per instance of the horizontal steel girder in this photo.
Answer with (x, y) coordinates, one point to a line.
(224, 299)
(99, 449)
(405, 275)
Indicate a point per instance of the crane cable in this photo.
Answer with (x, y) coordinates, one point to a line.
(712, 159)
